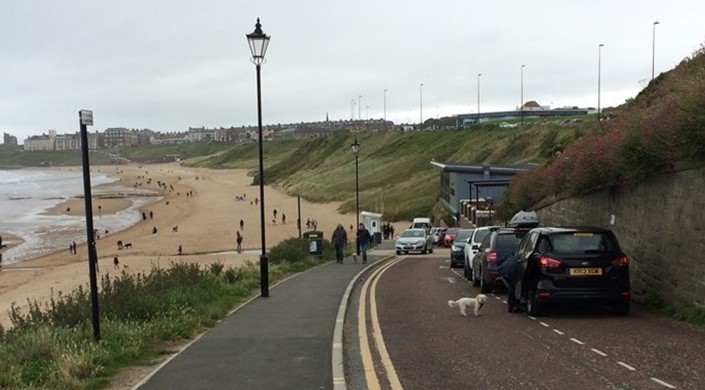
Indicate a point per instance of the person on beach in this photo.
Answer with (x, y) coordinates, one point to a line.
(339, 238)
(283, 219)
(242, 224)
(181, 250)
(275, 213)
(363, 239)
(239, 241)
(116, 262)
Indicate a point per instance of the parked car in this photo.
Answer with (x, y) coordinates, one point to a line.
(496, 247)
(473, 244)
(449, 236)
(414, 240)
(457, 250)
(582, 264)
(440, 236)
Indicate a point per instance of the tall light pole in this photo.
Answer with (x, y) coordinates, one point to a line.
(385, 108)
(599, 76)
(478, 97)
(359, 107)
(356, 151)
(653, 50)
(258, 42)
(352, 109)
(421, 105)
(522, 94)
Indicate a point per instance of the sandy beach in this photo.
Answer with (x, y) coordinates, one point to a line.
(199, 211)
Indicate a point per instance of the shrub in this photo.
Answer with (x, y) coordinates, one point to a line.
(290, 250)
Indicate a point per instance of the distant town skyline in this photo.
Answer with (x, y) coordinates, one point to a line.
(171, 65)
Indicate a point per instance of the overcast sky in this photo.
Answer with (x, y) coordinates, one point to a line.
(167, 65)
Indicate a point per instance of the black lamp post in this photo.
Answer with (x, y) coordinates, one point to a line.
(356, 150)
(258, 42)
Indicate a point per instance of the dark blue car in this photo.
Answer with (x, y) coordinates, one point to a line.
(497, 246)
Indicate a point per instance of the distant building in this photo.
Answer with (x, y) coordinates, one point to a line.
(531, 109)
(42, 142)
(460, 182)
(9, 140)
(119, 137)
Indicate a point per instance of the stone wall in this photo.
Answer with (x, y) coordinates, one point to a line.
(660, 226)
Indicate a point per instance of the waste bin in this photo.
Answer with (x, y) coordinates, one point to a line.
(315, 242)
(378, 237)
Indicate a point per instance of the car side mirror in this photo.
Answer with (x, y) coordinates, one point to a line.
(475, 247)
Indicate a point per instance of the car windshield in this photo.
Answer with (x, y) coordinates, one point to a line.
(580, 242)
(463, 235)
(413, 233)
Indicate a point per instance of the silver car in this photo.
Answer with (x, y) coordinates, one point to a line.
(414, 240)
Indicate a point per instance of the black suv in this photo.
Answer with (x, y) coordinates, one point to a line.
(582, 264)
(495, 248)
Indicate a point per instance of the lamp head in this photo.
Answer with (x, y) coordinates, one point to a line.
(258, 42)
(355, 147)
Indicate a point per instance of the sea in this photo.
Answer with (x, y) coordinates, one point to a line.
(26, 195)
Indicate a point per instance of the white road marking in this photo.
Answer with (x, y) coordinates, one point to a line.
(660, 382)
(545, 324)
(559, 332)
(497, 298)
(577, 341)
(533, 318)
(597, 351)
(503, 301)
(627, 366)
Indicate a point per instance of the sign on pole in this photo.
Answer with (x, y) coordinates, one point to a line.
(86, 117)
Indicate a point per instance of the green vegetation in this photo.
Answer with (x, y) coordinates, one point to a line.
(52, 346)
(650, 135)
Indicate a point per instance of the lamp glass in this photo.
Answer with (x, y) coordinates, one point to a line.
(356, 147)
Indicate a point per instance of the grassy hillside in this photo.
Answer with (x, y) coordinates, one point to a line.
(395, 173)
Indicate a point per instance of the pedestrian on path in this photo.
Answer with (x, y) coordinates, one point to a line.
(239, 241)
(339, 238)
(363, 239)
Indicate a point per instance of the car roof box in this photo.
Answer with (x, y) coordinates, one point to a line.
(524, 219)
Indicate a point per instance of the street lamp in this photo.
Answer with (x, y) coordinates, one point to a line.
(352, 109)
(653, 49)
(599, 76)
(356, 151)
(421, 101)
(478, 97)
(258, 42)
(522, 94)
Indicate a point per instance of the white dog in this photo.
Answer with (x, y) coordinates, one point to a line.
(475, 303)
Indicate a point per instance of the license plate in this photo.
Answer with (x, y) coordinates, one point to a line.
(585, 271)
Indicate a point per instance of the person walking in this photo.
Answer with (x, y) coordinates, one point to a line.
(363, 238)
(339, 238)
(239, 239)
(242, 224)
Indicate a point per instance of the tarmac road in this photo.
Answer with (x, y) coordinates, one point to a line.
(431, 346)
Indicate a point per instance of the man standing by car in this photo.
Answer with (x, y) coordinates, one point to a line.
(339, 240)
(508, 270)
(364, 238)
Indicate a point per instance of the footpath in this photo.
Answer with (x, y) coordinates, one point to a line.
(289, 340)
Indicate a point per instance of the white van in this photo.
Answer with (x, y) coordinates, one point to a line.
(419, 223)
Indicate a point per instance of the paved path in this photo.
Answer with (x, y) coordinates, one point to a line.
(281, 342)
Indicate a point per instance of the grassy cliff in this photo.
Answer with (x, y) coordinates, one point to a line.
(395, 173)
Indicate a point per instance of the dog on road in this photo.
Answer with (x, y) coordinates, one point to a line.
(476, 303)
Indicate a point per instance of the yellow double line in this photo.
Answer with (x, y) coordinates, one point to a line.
(366, 353)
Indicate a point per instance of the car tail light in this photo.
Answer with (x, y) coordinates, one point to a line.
(626, 293)
(547, 262)
(492, 256)
(620, 261)
(544, 294)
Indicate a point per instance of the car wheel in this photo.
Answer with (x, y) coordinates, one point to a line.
(466, 274)
(475, 280)
(424, 251)
(399, 252)
(533, 308)
(623, 307)
(484, 285)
